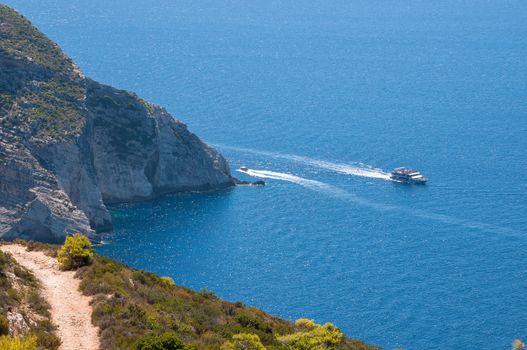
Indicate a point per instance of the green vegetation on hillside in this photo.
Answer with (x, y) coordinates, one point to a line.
(138, 310)
(166, 341)
(20, 297)
(20, 39)
(132, 304)
(41, 94)
(243, 341)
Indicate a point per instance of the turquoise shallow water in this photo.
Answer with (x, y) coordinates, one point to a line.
(320, 93)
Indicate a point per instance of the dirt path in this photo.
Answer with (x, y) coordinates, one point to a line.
(70, 310)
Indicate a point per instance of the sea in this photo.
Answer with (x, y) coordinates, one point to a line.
(322, 99)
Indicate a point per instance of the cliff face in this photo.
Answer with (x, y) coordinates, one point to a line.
(150, 151)
(69, 145)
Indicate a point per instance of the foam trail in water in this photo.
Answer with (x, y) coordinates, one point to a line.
(313, 184)
(319, 186)
(362, 170)
(356, 169)
(341, 194)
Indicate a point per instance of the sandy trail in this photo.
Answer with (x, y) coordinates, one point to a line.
(70, 310)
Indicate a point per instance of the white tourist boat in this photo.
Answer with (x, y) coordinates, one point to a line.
(408, 176)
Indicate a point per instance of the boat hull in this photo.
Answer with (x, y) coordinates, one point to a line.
(408, 181)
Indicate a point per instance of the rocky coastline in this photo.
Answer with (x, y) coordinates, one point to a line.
(69, 145)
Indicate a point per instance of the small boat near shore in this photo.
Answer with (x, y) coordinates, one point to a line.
(258, 183)
(408, 176)
(239, 182)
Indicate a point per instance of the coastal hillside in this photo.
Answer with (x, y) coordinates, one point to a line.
(137, 310)
(24, 313)
(70, 145)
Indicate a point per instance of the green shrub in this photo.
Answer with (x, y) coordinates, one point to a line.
(4, 325)
(75, 252)
(243, 341)
(312, 336)
(25, 275)
(37, 303)
(166, 341)
(13, 294)
(208, 294)
(250, 322)
(168, 281)
(3, 260)
(47, 340)
(10, 343)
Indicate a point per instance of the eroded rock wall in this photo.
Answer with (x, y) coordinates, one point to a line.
(69, 145)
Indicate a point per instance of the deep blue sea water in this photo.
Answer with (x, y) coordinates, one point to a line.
(318, 92)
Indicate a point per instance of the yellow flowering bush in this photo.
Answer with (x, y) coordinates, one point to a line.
(15, 343)
(243, 341)
(75, 252)
(312, 336)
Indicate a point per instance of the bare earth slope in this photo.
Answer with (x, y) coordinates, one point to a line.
(70, 309)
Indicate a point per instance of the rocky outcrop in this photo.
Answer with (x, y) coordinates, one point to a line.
(32, 204)
(69, 145)
(151, 152)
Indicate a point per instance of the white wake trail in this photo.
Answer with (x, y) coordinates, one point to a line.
(355, 169)
(342, 194)
(313, 184)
